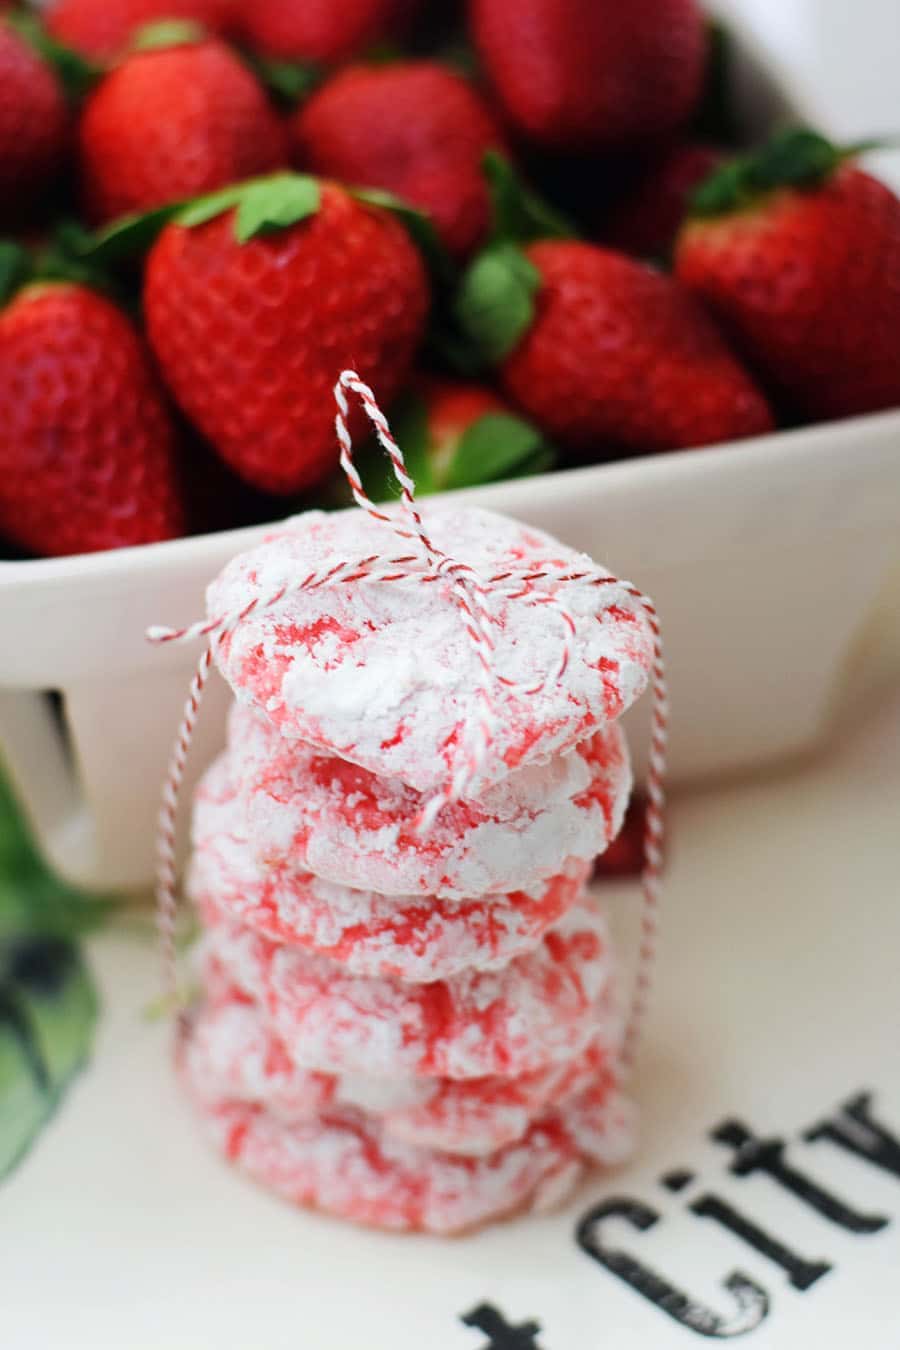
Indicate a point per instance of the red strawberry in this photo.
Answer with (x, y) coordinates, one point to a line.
(455, 434)
(87, 446)
(625, 855)
(646, 220)
(171, 123)
(592, 74)
(414, 128)
(33, 124)
(317, 30)
(101, 29)
(603, 352)
(798, 253)
(252, 336)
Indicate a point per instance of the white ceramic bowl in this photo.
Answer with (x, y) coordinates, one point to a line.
(766, 560)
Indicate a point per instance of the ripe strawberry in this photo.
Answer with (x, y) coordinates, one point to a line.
(317, 30)
(625, 855)
(101, 29)
(592, 74)
(646, 220)
(454, 434)
(414, 128)
(603, 352)
(798, 253)
(251, 336)
(87, 445)
(171, 123)
(33, 124)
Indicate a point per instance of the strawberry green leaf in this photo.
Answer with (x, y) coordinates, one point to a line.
(724, 190)
(76, 74)
(459, 55)
(383, 53)
(495, 304)
(519, 215)
(274, 204)
(129, 236)
(207, 207)
(409, 423)
(66, 256)
(496, 446)
(409, 419)
(289, 81)
(419, 226)
(797, 157)
(270, 203)
(16, 268)
(153, 37)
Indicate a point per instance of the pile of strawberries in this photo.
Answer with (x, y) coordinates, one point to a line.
(522, 221)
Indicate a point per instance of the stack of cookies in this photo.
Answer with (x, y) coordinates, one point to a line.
(412, 1027)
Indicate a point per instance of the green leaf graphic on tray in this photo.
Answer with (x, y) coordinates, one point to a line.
(48, 1006)
(48, 1009)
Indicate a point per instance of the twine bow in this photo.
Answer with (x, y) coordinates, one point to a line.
(472, 594)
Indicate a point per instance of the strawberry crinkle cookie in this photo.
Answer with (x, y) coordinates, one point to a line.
(233, 1051)
(540, 1009)
(382, 675)
(323, 814)
(344, 1163)
(412, 937)
(409, 1015)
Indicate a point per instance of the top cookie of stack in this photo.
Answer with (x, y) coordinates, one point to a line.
(384, 675)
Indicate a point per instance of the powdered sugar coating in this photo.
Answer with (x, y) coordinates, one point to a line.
(382, 673)
(234, 1053)
(416, 938)
(344, 1163)
(539, 1010)
(321, 814)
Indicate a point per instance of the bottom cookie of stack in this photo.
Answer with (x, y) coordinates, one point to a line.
(233, 1054)
(344, 1161)
(432, 1106)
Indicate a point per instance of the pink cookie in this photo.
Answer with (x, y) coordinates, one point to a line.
(344, 1163)
(233, 1053)
(321, 814)
(539, 1010)
(411, 937)
(383, 673)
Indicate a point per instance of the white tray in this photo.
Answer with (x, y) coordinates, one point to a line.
(768, 561)
(776, 1001)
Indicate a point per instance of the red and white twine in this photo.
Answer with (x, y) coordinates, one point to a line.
(472, 593)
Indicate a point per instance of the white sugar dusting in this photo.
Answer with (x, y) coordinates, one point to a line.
(413, 1029)
(383, 674)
